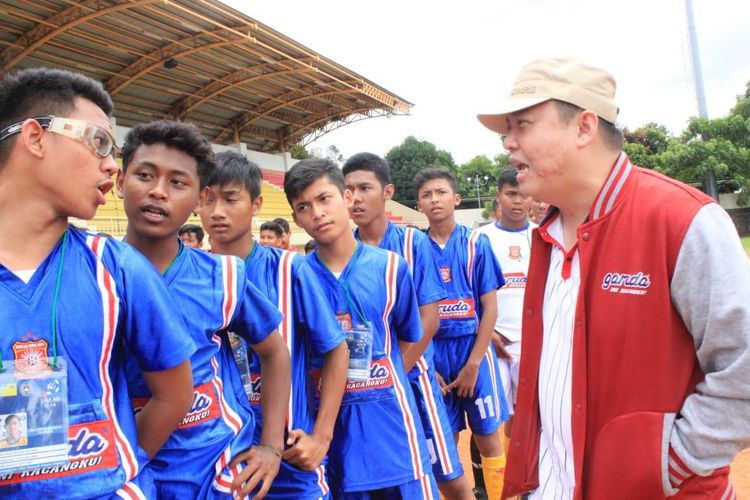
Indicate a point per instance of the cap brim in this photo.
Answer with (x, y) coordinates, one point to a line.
(498, 122)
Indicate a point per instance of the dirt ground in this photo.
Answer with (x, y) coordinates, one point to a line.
(740, 470)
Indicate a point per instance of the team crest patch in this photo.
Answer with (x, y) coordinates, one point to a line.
(31, 354)
(445, 274)
(514, 252)
(631, 284)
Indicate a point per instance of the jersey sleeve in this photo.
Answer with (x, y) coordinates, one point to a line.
(487, 272)
(405, 316)
(256, 317)
(313, 312)
(427, 281)
(154, 331)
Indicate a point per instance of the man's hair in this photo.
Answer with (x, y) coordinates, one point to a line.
(310, 246)
(234, 168)
(271, 226)
(283, 224)
(44, 91)
(507, 176)
(370, 163)
(192, 229)
(11, 417)
(432, 173)
(611, 135)
(305, 172)
(184, 137)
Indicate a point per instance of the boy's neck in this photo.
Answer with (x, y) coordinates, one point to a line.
(240, 248)
(513, 225)
(441, 231)
(373, 233)
(160, 252)
(337, 254)
(25, 245)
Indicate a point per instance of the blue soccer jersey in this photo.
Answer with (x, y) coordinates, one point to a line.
(307, 330)
(215, 298)
(378, 440)
(111, 305)
(469, 270)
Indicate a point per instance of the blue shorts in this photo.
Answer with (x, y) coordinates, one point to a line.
(487, 408)
(446, 464)
(424, 489)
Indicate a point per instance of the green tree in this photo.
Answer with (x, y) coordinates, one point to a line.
(410, 157)
(479, 167)
(298, 152)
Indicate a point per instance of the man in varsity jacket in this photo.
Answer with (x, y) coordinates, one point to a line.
(634, 364)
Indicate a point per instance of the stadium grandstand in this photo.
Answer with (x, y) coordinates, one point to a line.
(248, 87)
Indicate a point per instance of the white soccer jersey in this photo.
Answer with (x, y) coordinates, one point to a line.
(512, 249)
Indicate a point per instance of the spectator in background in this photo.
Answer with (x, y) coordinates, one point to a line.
(538, 211)
(191, 235)
(271, 235)
(286, 232)
(310, 247)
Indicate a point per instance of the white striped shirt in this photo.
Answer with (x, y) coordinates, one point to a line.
(556, 472)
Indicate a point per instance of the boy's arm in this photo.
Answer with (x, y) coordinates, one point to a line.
(172, 395)
(309, 450)
(411, 352)
(262, 461)
(467, 377)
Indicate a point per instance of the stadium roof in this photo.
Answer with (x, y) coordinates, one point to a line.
(194, 60)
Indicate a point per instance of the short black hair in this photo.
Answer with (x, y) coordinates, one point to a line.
(44, 91)
(371, 163)
(613, 136)
(192, 229)
(11, 417)
(234, 168)
(310, 246)
(283, 224)
(305, 172)
(432, 173)
(507, 176)
(184, 137)
(272, 226)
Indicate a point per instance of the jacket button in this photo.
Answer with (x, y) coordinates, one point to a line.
(529, 312)
(523, 381)
(585, 236)
(579, 408)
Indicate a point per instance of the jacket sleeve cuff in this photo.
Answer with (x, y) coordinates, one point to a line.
(677, 470)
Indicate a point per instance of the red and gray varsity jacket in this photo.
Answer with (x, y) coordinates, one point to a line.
(634, 361)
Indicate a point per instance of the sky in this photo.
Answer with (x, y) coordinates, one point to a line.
(454, 60)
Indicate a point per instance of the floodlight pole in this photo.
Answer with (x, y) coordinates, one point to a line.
(709, 181)
(478, 182)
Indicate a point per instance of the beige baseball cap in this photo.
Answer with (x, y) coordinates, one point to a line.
(564, 79)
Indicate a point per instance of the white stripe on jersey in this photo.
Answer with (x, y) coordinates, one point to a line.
(391, 272)
(556, 467)
(409, 248)
(111, 313)
(130, 491)
(286, 329)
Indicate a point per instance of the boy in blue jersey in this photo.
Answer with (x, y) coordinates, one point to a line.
(227, 210)
(378, 448)
(368, 177)
(464, 359)
(69, 297)
(165, 166)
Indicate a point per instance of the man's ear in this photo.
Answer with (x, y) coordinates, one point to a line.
(348, 198)
(257, 205)
(389, 190)
(457, 199)
(588, 126)
(31, 136)
(120, 181)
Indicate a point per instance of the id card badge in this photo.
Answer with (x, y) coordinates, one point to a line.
(359, 340)
(33, 416)
(239, 351)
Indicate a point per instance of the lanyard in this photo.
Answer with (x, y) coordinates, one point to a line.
(345, 282)
(54, 305)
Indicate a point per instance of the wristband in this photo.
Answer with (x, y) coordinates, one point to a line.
(273, 450)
